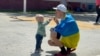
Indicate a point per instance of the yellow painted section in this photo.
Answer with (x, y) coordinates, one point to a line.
(81, 24)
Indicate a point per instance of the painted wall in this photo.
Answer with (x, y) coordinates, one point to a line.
(31, 4)
(83, 1)
(11, 4)
(45, 4)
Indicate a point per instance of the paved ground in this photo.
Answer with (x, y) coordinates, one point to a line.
(17, 37)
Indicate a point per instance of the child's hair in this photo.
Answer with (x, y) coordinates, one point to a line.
(39, 17)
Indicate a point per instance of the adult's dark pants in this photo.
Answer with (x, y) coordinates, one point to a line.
(98, 13)
(58, 35)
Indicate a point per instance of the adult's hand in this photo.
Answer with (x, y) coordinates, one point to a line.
(56, 20)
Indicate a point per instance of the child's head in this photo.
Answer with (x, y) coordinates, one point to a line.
(39, 17)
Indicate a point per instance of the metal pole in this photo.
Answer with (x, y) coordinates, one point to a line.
(24, 6)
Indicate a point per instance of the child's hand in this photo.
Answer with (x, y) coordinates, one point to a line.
(52, 29)
(50, 19)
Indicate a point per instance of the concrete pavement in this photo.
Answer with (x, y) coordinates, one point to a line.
(17, 38)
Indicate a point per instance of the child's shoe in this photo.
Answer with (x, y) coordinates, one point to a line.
(37, 51)
(41, 50)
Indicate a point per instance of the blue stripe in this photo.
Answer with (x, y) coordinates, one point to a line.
(67, 27)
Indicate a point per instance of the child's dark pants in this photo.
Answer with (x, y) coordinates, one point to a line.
(39, 39)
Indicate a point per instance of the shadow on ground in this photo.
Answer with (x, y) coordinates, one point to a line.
(35, 54)
(73, 54)
(19, 20)
(19, 14)
(51, 53)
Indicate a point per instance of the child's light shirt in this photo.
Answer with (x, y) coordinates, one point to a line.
(41, 28)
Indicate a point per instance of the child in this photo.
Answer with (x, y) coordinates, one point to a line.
(40, 31)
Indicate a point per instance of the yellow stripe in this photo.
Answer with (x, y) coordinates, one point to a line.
(71, 41)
